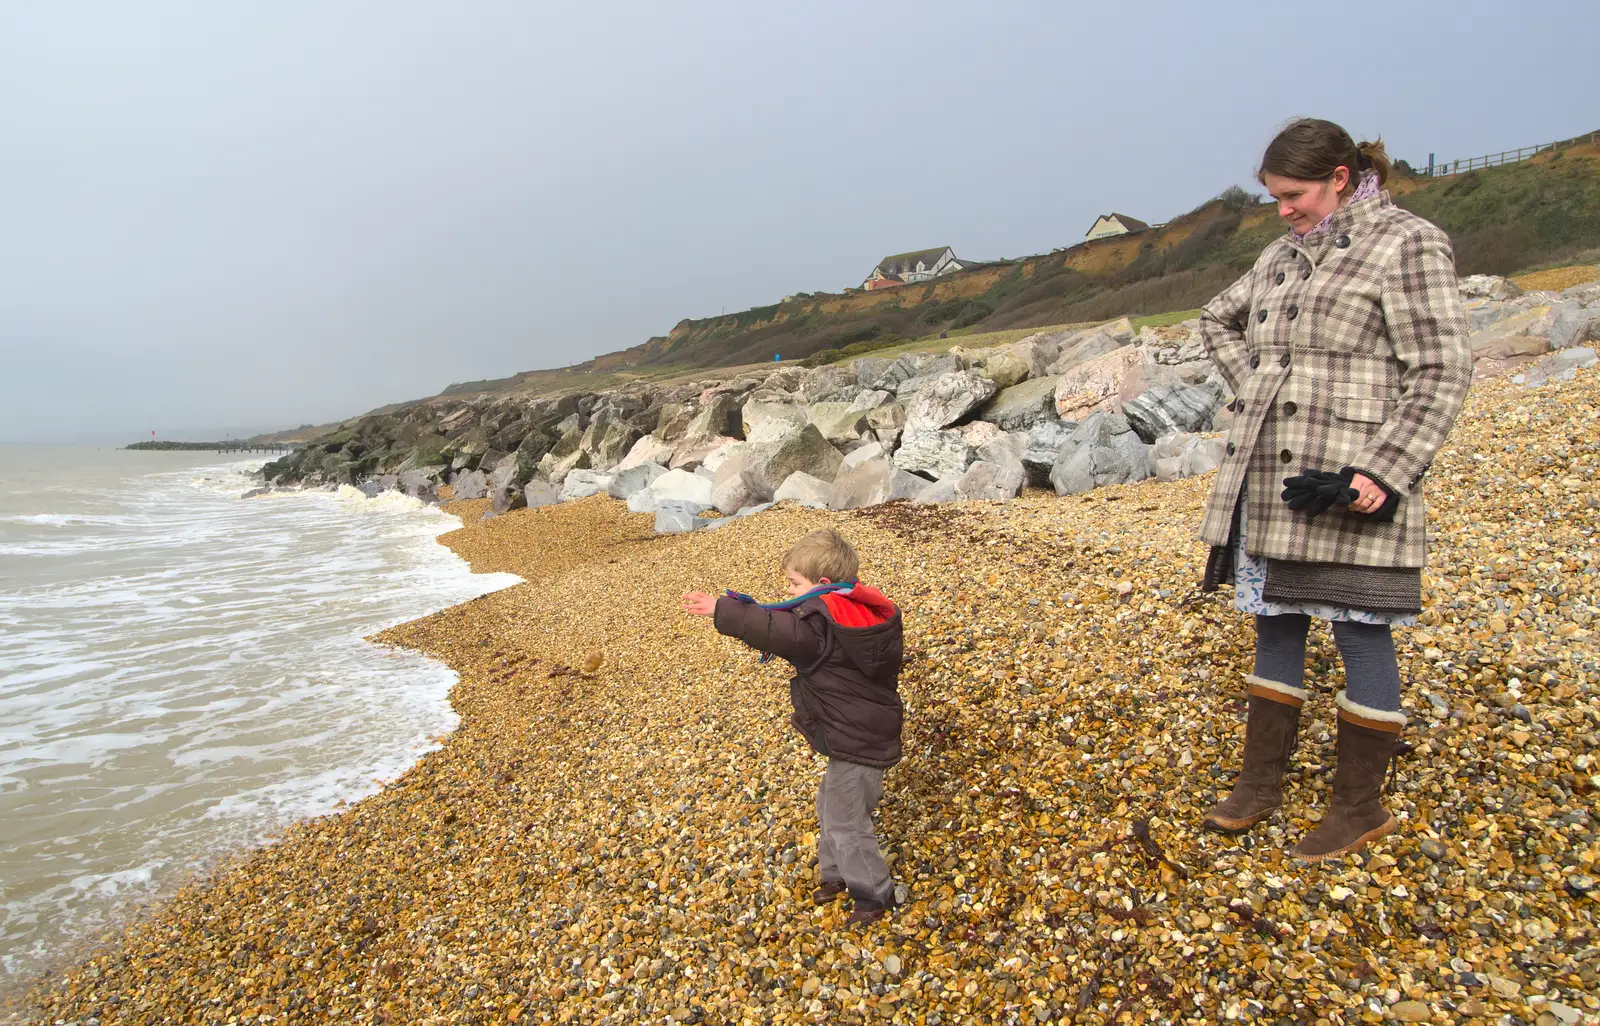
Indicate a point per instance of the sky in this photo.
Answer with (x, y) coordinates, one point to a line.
(219, 218)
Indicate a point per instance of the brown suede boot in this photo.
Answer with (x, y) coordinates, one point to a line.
(1270, 731)
(1356, 816)
(829, 892)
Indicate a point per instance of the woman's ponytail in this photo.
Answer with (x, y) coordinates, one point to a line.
(1373, 157)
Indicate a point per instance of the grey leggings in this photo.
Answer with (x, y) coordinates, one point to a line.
(1372, 675)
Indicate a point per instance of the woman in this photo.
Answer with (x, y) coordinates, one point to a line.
(1345, 346)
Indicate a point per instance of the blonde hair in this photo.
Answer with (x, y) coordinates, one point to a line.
(822, 554)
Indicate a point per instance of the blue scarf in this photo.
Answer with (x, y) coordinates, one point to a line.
(791, 603)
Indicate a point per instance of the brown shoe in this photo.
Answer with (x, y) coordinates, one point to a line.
(1356, 817)
(866, 913)
(829, 892)
(1270, 731)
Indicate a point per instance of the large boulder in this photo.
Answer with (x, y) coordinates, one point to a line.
(764, 406)
(1571, 324)
(474, 484)
(1562, 365)
(1020, 407)
(1106, 382)
(1006, 448)
(608, 439)
(720, 455)
(420, 483)
(1185, 455)
(887, 422)
(822, 382)
(948, 399)
(680, 485)
(938, 453)
(869, 369)
(855, 457)
(581, 484)
(648, 449)
(679, 516)
(556, 470)
(871, 399)
(769, 463)
(673, 421)
(979, 432)
(624, 483)
(1165, 409)
(720, 418)
(942, 490)
(731, 489)
(985, 480)
(1536, 322)
(1043, 449)
(540, 493)
(1103, 450)
(871, 482)
(1488, 286)
(1083, 347)
(838, 422)
(889, 378)
(804, 489)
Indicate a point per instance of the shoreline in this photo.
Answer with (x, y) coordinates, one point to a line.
(635, 844)
(224, 818)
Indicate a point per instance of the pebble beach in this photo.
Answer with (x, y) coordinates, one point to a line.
(621, 829)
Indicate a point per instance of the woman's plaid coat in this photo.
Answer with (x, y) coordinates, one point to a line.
(1346, 350)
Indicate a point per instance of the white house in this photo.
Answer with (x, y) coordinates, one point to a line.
(1107, 225)
(909, 268)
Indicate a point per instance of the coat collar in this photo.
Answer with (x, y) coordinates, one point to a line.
(1347, 221)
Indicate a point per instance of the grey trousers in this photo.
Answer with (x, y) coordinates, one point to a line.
(847, 847)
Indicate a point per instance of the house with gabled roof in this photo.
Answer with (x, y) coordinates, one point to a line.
(909, 268)
(1107, 225)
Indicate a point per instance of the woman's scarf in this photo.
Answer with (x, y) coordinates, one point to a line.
(1367, 189)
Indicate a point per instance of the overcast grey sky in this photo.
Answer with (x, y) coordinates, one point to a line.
(233, 216)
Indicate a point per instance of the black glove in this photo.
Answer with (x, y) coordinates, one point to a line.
(1313, 491)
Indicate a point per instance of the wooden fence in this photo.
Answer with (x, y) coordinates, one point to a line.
(1456, 167)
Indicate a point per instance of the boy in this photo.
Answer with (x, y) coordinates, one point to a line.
(844, 640)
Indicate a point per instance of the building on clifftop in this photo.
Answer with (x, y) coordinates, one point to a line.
(909, 268)
(1107, 225)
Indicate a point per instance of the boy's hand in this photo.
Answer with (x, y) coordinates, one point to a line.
(698, 603)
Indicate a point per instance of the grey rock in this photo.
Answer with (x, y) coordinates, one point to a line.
(540, 493)
(766, 406)
(871, 399)
(1043, 449)
(872, 482)
(580, 484)
(680, 486)
(939, 453)
(1571, 324)
(1083, 347)
(1557, 366)
(838, 422)
(624, 483)
(985, 480)
(939, 491)
(869, 369)
(1167, 408)
(1488, 286)
(648, 449)
(678, 516)
(948, 399)
(1104, 450)
(421, 483)
(887, 423)
(1006, 448)
(1020, 407)
(721, 417)
(889, 379)
(642, 501)
(856, 457)
(474, 484)
(804, 489)
(769, 464)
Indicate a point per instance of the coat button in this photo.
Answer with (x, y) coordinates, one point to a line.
(1261, 315)
(1283, 361)
(1280, 277)
(1231, 449)
(1305, 275)
(1294, 311)
(1290, 408)
(1255, 361)
(1286, 456)
(1343, 242)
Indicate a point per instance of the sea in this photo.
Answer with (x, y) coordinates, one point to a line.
(183, 674)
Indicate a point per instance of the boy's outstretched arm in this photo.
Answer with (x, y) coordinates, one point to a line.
(778, 631)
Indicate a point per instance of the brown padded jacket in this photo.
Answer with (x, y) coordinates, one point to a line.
(845, 690)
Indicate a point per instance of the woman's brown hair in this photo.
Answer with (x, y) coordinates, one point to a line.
(1311, 149)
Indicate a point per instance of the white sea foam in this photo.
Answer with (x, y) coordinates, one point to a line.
(182, 673)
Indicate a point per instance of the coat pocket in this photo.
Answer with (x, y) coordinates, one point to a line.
(1367, 411)
(1361, 401)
